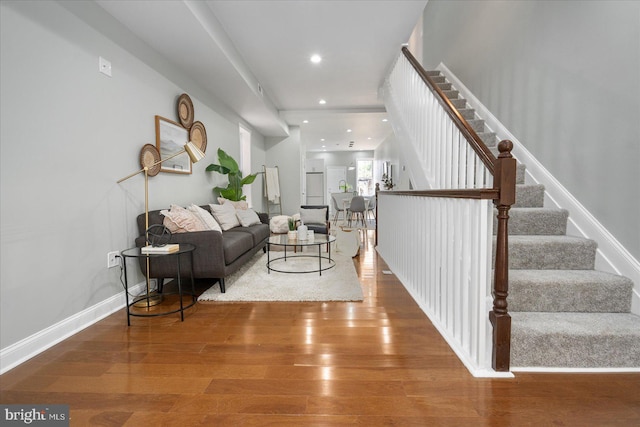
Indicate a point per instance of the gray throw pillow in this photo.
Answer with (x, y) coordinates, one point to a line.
(313, 216)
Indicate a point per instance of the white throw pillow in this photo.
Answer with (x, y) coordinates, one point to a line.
(247, 217)
(180, 220)
(205, 217)
(313, 216)
(242, 204)
(225, 215)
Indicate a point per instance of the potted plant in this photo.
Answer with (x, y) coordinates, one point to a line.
(228, 166)
(292, 234)
(387, 181)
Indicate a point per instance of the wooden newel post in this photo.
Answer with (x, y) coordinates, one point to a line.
(504, 179)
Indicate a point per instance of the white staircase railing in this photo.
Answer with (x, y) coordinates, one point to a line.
(441, 249)
(440, 153)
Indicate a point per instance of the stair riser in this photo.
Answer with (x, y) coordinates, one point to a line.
(477, 125)
(581, 298)
(561, 351)
(535, 222)
(459, 103)
(468, 113)
(558, 255)
(529, 196)
(575, 340)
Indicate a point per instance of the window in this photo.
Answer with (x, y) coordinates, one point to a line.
(365, 177)
(245, 160)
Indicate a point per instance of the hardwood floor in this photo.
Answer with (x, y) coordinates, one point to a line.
(373, 363)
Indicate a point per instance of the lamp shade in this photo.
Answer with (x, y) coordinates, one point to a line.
(194, 152)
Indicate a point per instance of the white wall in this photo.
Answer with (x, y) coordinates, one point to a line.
(61, 209)
(285, 153)
(342, 158)
(388, 151)
(564, 77)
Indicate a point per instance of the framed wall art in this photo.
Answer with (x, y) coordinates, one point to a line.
(170, 139)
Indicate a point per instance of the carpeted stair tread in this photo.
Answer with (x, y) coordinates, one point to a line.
(529, 196)
(578, 340)
(551, 253)
(535, 221)
(569, 291)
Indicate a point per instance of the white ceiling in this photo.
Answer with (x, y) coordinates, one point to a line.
(253, 55)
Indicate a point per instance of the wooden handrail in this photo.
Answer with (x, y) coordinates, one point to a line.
(471, 193)
(486, 156)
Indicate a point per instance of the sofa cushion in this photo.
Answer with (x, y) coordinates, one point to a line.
(247, 217)
(225, 215)
(235, 243)
(258, 232)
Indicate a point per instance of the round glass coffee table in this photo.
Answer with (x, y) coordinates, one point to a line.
(319, 241)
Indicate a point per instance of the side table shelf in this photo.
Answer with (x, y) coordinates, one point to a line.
(186, 249)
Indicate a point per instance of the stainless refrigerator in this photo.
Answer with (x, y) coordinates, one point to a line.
(315, 188)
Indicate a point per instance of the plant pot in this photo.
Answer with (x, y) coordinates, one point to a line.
(292, 235)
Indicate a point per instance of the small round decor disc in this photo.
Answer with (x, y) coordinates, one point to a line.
(149, 158)
(198, 135)
(185, 111)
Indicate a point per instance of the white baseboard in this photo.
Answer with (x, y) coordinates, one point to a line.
(611, 256)
(25, 349)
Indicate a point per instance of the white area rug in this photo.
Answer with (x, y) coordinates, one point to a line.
(252, 283)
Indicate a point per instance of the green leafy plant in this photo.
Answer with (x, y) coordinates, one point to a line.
(228, 166)
(292, 224)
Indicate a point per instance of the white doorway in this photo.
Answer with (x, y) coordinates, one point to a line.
(336, 176)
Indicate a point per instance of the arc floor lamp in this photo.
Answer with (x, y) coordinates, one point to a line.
(149, 161)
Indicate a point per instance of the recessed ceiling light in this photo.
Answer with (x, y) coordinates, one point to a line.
(322, 139)
(316, 59)
(323, 146)
(349, 130)
(305, 121)
(369, 138)
(322, 102)
(385, 120)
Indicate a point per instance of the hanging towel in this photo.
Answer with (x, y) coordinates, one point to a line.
(273, 185)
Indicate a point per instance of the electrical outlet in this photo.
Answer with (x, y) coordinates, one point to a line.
(112, 259)
(104, 66)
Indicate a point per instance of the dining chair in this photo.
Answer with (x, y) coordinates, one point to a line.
(337, 207)
(357, 208)
(371, 208)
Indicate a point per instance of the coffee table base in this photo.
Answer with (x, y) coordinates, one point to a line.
(328, 265)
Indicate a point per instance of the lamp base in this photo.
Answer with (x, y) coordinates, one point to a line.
(150, 300)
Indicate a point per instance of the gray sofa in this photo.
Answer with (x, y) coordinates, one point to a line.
(217, 255)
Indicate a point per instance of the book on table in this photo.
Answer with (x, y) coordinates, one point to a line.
(166, 249)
